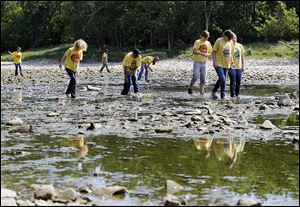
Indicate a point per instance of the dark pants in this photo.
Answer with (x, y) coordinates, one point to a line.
(222, 73)
(104, 65)
(235, 76)
(144, 66)
(72, 83)
(18, 66)
(130, 77)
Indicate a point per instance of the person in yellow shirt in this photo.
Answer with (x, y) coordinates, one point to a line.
(17, 57)
(130, 63)
(104, 61)
(201, 50)
(203, 145)
(222, 58)
(236, 70)
(71, 59)
(146, 62)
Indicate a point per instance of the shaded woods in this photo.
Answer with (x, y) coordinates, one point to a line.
(151, 24)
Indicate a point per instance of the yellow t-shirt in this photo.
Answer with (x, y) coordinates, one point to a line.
(17, 57)
(204, 47)
(130, 63)
(104, 57)
(224, 50)
(148, 59)
(237, 55)
(73, 58)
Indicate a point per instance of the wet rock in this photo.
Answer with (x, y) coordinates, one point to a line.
(85, 190)
(257, 102)
(112, 190)
(163, 130)
(248, 202)
(132, 119)
(172, 186)
(209, 111)
(171, 200)
(25, 203)
(14, 121)
(196, 112)
(197, 118)
(187, 125)
(22, 129)
(8, 202)
(44, 192)
(6, 193)
(267, 125)
(92, 88)
(69, 194)
(284, 101)
(296, 108)
(75, 204)
(147, 203)
(98, 203)
(39, 202)
(263, 107)
(94, 126)
(52, 114)
(222, 204)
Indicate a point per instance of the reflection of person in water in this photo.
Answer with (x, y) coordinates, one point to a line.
(203, 145)
(78, 143)
(227, 150)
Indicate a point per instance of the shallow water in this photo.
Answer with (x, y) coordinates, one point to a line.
(143, 165)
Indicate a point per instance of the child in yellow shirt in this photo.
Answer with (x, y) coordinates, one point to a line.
(71, 58)
(146, 62)
(104, 61)
(17, 57)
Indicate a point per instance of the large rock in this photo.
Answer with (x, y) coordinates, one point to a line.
(44, 192)
(85, 190)
(267, 125)
(15, 121)
(22, 129)
(68, 194)
(172, 186)
(163, 130)
(52, 114)
(284, 101)
(248, 202)
(25, 203)
(6, 193)
(112, 190)
(8, 202)
(171, 200)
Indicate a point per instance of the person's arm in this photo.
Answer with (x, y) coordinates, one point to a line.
(125, 74)
(62, 60)
(243, 58)
(199, 53)
(214, 58)
(232, 61)
(9, 52)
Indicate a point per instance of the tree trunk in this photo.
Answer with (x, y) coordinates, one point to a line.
(169, 40)
(207, 13)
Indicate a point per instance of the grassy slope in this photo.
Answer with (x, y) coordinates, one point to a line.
(253, 51)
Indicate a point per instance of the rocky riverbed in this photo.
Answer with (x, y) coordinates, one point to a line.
(34, 106)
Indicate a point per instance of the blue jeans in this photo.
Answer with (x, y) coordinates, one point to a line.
(144, 66)
(235, 76)
(222, 73)
(18, 66)
(72, 83)
(130, 77)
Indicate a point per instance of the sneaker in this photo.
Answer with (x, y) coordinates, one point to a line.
(108, 71)
(214, 95)
(68, 95)
(73, 96)
(190, 91)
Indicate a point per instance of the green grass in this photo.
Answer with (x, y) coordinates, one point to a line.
(286, 50)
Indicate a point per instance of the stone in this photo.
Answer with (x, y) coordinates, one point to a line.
(85, 190)
(69, 194)
(75, 204)
(163, 130)
(263, 107)
(39, 202)
(187, 125)
(284, 101)
(92, 88)
(25, 203)
(172, 186)
(248, 202)
(267, 125)
(112, 190)
(196, 112)
(171, 200)
(296, 108)
(52, 114)
(196, 118)
(6, 193)
(44, 192)
(22, 129)
(15, 121)
(8, 202)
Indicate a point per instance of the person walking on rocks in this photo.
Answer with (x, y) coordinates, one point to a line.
(201, 50)
(17, 57)
(71, 59)
(130, 63)
(222, 59)
(146, 62)
(236, 71)
(104, 61)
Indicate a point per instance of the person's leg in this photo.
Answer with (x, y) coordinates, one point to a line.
(20, 69)
(196, 74)
(232, 77)
(107, 67)
(220, 73)
(102, 68)
(135, 83)
(73, 90)
(146, 73)
(239, 74)
(223, 84)
(16, 71)
(141, 71)
(202, 77)
(72, 83)
(126, 84)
